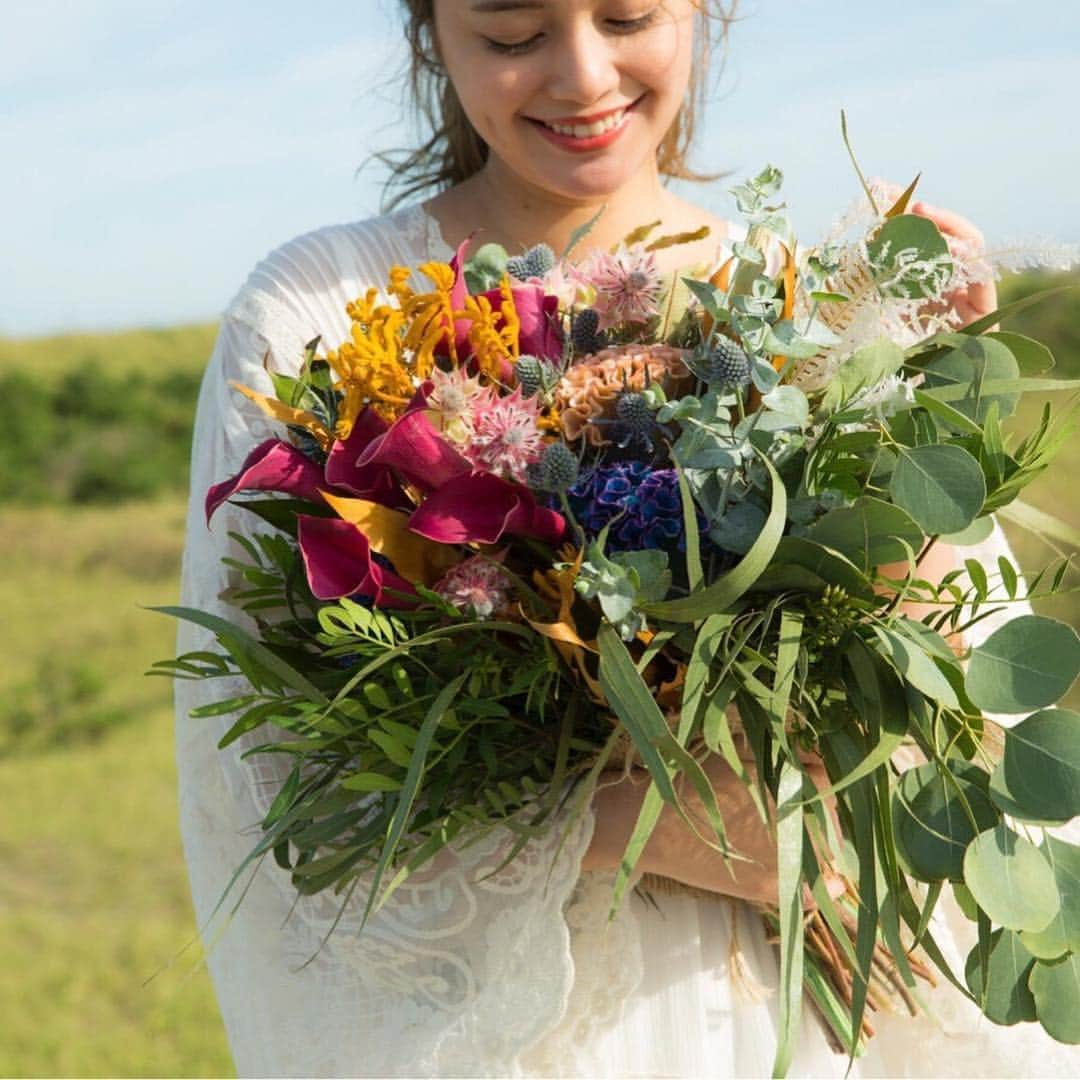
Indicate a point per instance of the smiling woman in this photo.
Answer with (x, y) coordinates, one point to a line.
(541, 113)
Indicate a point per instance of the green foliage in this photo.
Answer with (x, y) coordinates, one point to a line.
(99, 418)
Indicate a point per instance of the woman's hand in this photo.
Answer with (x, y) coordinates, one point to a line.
(970, 302)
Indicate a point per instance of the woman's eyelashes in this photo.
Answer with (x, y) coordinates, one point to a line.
(616, 26)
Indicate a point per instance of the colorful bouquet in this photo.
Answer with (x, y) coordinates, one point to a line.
(543, 519)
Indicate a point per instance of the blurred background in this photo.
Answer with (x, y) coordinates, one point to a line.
(153, 152)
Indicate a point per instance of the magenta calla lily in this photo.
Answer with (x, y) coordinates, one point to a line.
(413, 449)
(339, 562)
(273, 465)
(481, 508)
(374, 481)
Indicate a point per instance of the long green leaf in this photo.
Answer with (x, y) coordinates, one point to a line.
(634, 705)
(789, 851)
(409, 789)
(1008, 310)
(256, 650)
(720, 596)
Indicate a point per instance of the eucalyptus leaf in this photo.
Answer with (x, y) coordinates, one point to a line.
(912, 662)
(1056, 989)
(931, 823)
(1011, 879)
(868, 532)
(1038, 777)
(967, 370)
(1028, 663)
(864, 368)
(942, 487)
(910, 258)
(1063, 933)
(1003, 989)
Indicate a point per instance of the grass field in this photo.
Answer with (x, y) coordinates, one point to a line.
(93, 890)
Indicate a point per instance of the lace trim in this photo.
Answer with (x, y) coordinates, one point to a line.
(601, 986)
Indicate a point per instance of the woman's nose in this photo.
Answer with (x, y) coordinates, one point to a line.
(585, 67)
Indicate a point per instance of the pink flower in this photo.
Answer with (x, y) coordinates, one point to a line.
(452, 404)
(505, 436)
(478, 585)
(627, 285)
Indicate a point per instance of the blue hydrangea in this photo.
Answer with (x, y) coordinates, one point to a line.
(650, 497)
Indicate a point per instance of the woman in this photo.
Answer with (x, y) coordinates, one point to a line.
(544, 111)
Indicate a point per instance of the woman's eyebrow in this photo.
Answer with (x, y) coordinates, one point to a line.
(487, 6)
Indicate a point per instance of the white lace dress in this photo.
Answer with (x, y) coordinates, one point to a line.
(454, 976)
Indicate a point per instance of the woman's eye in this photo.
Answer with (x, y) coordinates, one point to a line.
(515, 48)
(630, 26)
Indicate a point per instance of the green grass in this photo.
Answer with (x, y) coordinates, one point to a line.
(93, 890)
(152, 352)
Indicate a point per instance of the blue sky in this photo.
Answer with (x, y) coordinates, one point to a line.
(153, 151)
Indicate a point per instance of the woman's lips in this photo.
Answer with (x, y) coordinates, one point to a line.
(580, 136)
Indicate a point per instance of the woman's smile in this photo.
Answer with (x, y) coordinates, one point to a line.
(584, 134)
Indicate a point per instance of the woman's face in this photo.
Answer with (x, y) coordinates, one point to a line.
(573, 96)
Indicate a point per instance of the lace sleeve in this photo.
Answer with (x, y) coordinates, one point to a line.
(453, 976)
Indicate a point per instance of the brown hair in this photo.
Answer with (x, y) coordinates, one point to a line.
(454, 151)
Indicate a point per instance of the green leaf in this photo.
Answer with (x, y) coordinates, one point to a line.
(694, 572)
(864, 368)
(911, 661)
(795, 553)
(239, 643)
(719, 596)
(1004, 994)
(980, 326)
(1038, 777)
(1063, 933)
(931, 822)
(869, 533)
(910, 258)
(789, 855)
(1032, 357)
(978, 531)
(1056, 989)
(409, 789)
(941, 486)
(1027, 664)
(370, 781)
(1011, 879)
(635, 706)
(968, 372)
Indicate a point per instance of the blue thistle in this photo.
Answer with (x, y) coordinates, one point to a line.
(585, 332)
(536, 262)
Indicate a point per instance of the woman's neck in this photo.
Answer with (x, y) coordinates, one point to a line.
(517, 215)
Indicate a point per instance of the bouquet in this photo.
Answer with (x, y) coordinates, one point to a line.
(536, 519)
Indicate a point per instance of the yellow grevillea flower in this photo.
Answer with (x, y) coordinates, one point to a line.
(430, 316)
(492, 346)
(371, 367)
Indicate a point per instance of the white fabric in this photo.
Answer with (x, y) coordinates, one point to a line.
(454, 976)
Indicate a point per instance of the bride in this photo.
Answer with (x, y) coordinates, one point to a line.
(541, 111)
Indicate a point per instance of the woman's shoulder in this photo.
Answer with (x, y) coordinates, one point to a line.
(299, 290)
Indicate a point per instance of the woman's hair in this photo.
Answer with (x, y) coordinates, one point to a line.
(454, 151)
